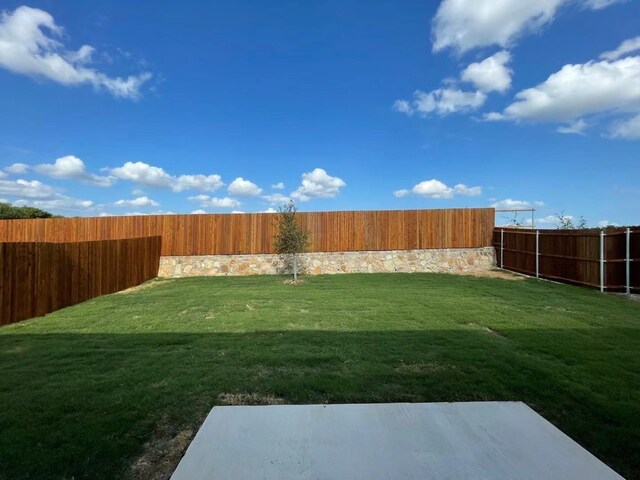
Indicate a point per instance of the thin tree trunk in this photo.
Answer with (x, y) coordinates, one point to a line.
(295, 267)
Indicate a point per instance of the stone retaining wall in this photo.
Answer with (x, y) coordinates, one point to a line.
(453, 260)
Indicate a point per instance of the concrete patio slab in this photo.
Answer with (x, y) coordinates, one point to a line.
(434, 441)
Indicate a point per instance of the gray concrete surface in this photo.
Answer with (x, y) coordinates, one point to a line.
(434, 441)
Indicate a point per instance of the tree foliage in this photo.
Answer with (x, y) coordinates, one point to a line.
(565, 222)
(10, 212)
(292, 238)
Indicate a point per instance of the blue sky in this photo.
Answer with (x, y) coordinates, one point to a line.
(107, 108)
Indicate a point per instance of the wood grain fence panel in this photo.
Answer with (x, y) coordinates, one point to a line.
(37, 277)
(254, 233)
(572, 256)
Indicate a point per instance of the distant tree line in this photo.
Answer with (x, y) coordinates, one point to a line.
(9, 212)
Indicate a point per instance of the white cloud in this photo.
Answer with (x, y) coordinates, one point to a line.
(206, 201)
(26, 188)
(137, 202)
(269, 210)
(444, 101)
(278, 186)
(59, 203)
(70, 167)
(142, 174)
(553, 220)
(198, 212)
(491, 74)
(156, 177)
(237, 211)
(243, 188)
(467, 24)
(30, 44)
(607, 223)
(436, 189)
(578, 127)
(203, 183)
(628, 129)
(277, 199)
(403, 106)
(17, 168)
(510, 204)
(318, 184)
(579, 90)
(626, 47)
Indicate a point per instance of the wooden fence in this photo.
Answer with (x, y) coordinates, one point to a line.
(37, 278)
(607, 259)
(254, 233)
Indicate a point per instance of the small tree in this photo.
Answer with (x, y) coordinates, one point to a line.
(292, 239)
(565, 222)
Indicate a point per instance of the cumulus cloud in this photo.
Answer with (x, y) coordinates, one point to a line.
(58, 203)
(72, 168)
(318, 184)
(436, 189)
(30, 44)
(243, 188)
(628, 129)
(203, 183)
(278, 186)
(156, 177)
(17, 168)
(199, 211)
(142, 174)
(467, 24)
(579, 90)
(277, 199)
(26, 188)
(628, 46)
(206, 201)
(269, 210)
(491, 74)
(137, 202)
(578, 127)
(403, 106)
(510, 204)
(442, 101)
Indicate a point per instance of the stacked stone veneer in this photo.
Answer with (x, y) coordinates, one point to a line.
(452, 260)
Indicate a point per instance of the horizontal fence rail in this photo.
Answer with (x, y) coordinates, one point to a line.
(254, 233)
(605, 259)
(37, 278)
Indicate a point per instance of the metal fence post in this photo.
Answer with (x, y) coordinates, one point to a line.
(502, 248)
(602, 260)
(537, 253)
(628, 262)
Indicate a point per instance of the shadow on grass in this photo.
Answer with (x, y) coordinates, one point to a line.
(83, 405)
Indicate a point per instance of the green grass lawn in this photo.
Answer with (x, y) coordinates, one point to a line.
(115, 387)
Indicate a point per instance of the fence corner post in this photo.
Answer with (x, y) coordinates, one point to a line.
(502, 248)
(602, 260)
(628, 262)
(537, 253)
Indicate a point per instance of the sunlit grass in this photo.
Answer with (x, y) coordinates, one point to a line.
(84, 390)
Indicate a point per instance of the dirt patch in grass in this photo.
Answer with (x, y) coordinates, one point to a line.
(249, 399)
(504, 274)
(162, 454)
(146, 285)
